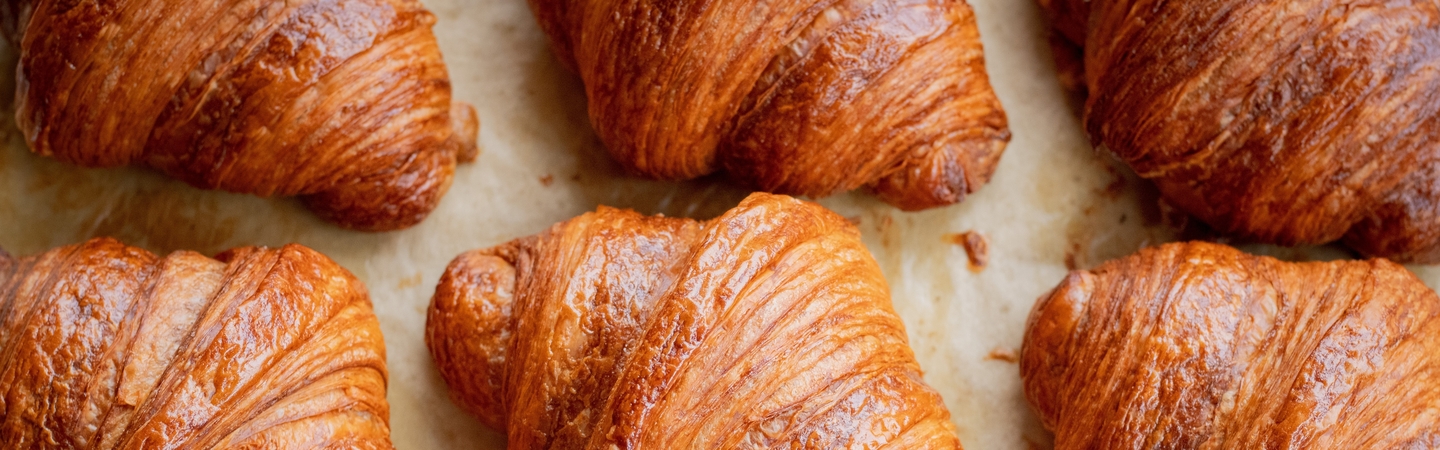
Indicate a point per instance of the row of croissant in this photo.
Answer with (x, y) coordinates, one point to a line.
(1288, 122)
(768, 327)
(1299, 125)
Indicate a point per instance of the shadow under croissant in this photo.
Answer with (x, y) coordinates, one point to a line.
(54, 203)
(138, 205)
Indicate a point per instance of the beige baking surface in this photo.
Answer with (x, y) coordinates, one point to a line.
(1051, 200)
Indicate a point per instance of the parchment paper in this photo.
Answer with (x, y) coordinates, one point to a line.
(1053, 204)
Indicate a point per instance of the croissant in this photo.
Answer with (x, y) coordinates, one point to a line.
(345, 103)
(805, 97)
(1202, 346)
(1289, 122)
(106, 346)
(768, 327)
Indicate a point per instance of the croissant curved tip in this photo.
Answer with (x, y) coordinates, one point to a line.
(1400, 229)
(946, 177)
(467, 329)
(1051, 322)
(465, 123)
(400, 198)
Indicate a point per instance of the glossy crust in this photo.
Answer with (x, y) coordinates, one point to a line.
(106, 346)
(769, 327)
(1203, 346)
(1291, 122)
(797, 97)
(344, 102)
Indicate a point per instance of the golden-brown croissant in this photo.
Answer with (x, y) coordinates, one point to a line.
(344, 102)
(768, 327)
(1203, 346)
(106, 346)
(800, 97)
(1294, 122)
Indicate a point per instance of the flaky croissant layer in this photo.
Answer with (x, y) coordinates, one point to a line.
(106, 346)
(344, 102)
(1202, 346)
(768, 327)
(1295, 122)
(798, 97)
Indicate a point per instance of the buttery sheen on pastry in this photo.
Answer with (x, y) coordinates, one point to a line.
(104, 346)
(796, 97)
(1201, 346)
(1294, 122)
(768, 327)
(344, 102)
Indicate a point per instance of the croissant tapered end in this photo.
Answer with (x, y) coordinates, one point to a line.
(770, 326)
(1292, 123)
(347, 104)
(108, 346)
(406, 195)
(945, 177)
(468, 331)
(1402, 226)
(394, 200)
(466, 124)
(822, 98)
(1202, 346)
